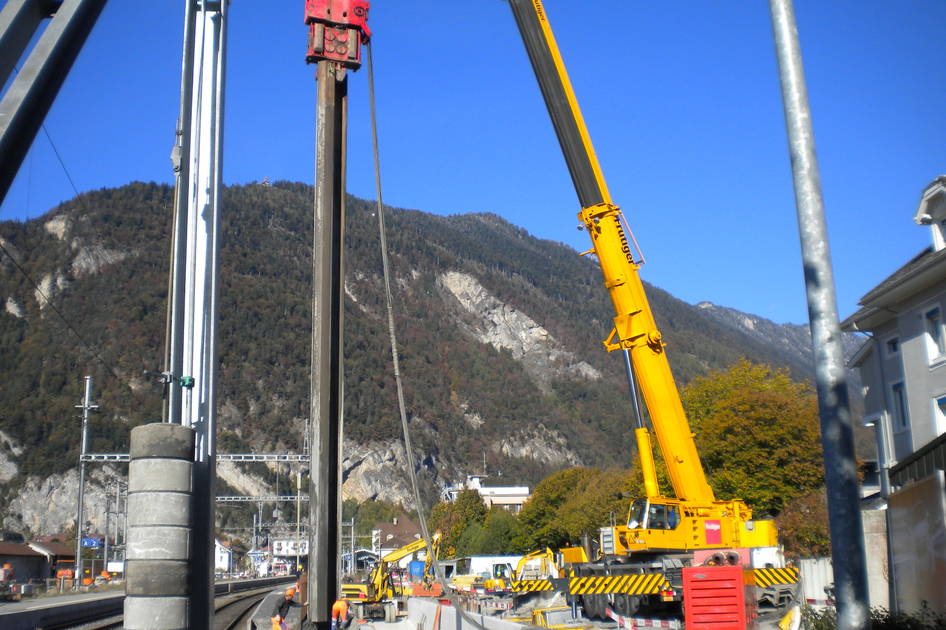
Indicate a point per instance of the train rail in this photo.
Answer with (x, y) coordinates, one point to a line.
(233, 601)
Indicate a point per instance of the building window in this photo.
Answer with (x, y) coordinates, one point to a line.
(901, 417)
(933, 322)
(939, 414)
(892, 346)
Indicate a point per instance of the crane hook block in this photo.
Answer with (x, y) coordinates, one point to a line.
(337, 28)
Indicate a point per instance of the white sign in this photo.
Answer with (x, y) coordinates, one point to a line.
(115, 566)
(291, 547)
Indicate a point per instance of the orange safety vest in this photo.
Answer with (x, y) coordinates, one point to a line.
(340, 609)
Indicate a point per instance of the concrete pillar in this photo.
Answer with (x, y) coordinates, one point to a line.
(157, 566)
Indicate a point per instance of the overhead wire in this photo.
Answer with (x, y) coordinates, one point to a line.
(47, 300)
(402, 408)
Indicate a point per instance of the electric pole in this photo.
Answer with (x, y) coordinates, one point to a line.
(86, 407)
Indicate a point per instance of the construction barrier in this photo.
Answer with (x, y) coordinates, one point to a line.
(635, 584)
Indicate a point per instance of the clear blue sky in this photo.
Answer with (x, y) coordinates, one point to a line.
(682, 100)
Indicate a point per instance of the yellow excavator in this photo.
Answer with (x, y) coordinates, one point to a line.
(378, 599)
(662, 532)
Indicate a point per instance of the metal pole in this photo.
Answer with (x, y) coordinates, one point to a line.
(180, 162)
(326, 363)
(847, 538)
(191, 347)
(86, 407)
(298, 518)
(108, 508)
(32, 92)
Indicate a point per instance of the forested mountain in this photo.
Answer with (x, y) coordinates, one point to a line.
(500, 338)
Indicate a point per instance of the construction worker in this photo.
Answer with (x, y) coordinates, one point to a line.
(281, 610)
(340, 619)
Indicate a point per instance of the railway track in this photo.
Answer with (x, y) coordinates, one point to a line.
(231, 611)
(233, 605)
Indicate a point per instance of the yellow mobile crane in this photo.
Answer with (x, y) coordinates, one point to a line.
(661, 531)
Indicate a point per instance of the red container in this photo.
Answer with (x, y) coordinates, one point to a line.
(718, 598)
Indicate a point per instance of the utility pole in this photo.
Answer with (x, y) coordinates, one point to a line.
(298, 566)
(337, 28)
(837, 432)
(86, 407)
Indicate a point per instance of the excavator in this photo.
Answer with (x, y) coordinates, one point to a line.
(641, 559)
(378, 598)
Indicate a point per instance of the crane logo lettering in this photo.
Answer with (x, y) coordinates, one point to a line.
(624, 246)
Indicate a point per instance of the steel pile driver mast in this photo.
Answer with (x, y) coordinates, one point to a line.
(693, 518)
(337, 29)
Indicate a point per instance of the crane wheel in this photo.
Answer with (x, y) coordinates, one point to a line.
(626, 605)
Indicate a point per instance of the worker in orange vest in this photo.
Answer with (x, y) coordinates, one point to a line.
(340, 618)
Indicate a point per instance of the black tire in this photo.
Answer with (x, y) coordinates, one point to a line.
(626, 605)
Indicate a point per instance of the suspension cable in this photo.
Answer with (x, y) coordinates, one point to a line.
(405, 429)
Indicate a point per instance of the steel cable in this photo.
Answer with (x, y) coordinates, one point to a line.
(408, 449)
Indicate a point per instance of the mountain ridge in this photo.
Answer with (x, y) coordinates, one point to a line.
(500, 336)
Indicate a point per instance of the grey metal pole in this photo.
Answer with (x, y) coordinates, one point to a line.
(19, 21)
(86, 407)
(326, 362)
(177, 276)
(31, 94)
(847, 538)
(108, 506)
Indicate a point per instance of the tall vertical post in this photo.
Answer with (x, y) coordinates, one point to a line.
(847, 539)
(191, 353)
(108, 522)
(326, 370)
(298, 519)
(336, 30)
(86, 407)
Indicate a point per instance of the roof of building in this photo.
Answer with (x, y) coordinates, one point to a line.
(16, 549)
(61, 537)
(925, 269)
(57, 548)
(397, 534)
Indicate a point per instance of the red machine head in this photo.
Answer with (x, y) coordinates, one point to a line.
(337, 28)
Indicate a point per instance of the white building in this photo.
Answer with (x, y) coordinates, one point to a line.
(510, 498)
(903, 369)
(223, 557)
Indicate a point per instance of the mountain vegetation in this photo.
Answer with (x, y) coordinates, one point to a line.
(757, 432)
(94, 303)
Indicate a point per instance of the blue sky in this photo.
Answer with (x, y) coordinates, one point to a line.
(682, 100)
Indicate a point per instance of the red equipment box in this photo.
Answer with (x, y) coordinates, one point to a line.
(718, 598)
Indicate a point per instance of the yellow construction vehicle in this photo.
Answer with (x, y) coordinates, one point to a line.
(379, 598)
(661, 532)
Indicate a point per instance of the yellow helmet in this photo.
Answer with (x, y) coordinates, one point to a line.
(290, 591)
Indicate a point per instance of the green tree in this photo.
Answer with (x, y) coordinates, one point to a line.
(570, 503)
(758, 434)
(452, 519)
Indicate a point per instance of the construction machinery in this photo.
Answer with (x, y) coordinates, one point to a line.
(641, 560)
(379, 598)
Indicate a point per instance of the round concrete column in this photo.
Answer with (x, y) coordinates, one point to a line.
(157, 568)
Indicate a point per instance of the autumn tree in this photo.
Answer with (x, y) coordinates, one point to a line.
(803, 526)
(453, 518)
(758, 434)
(571, 503)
